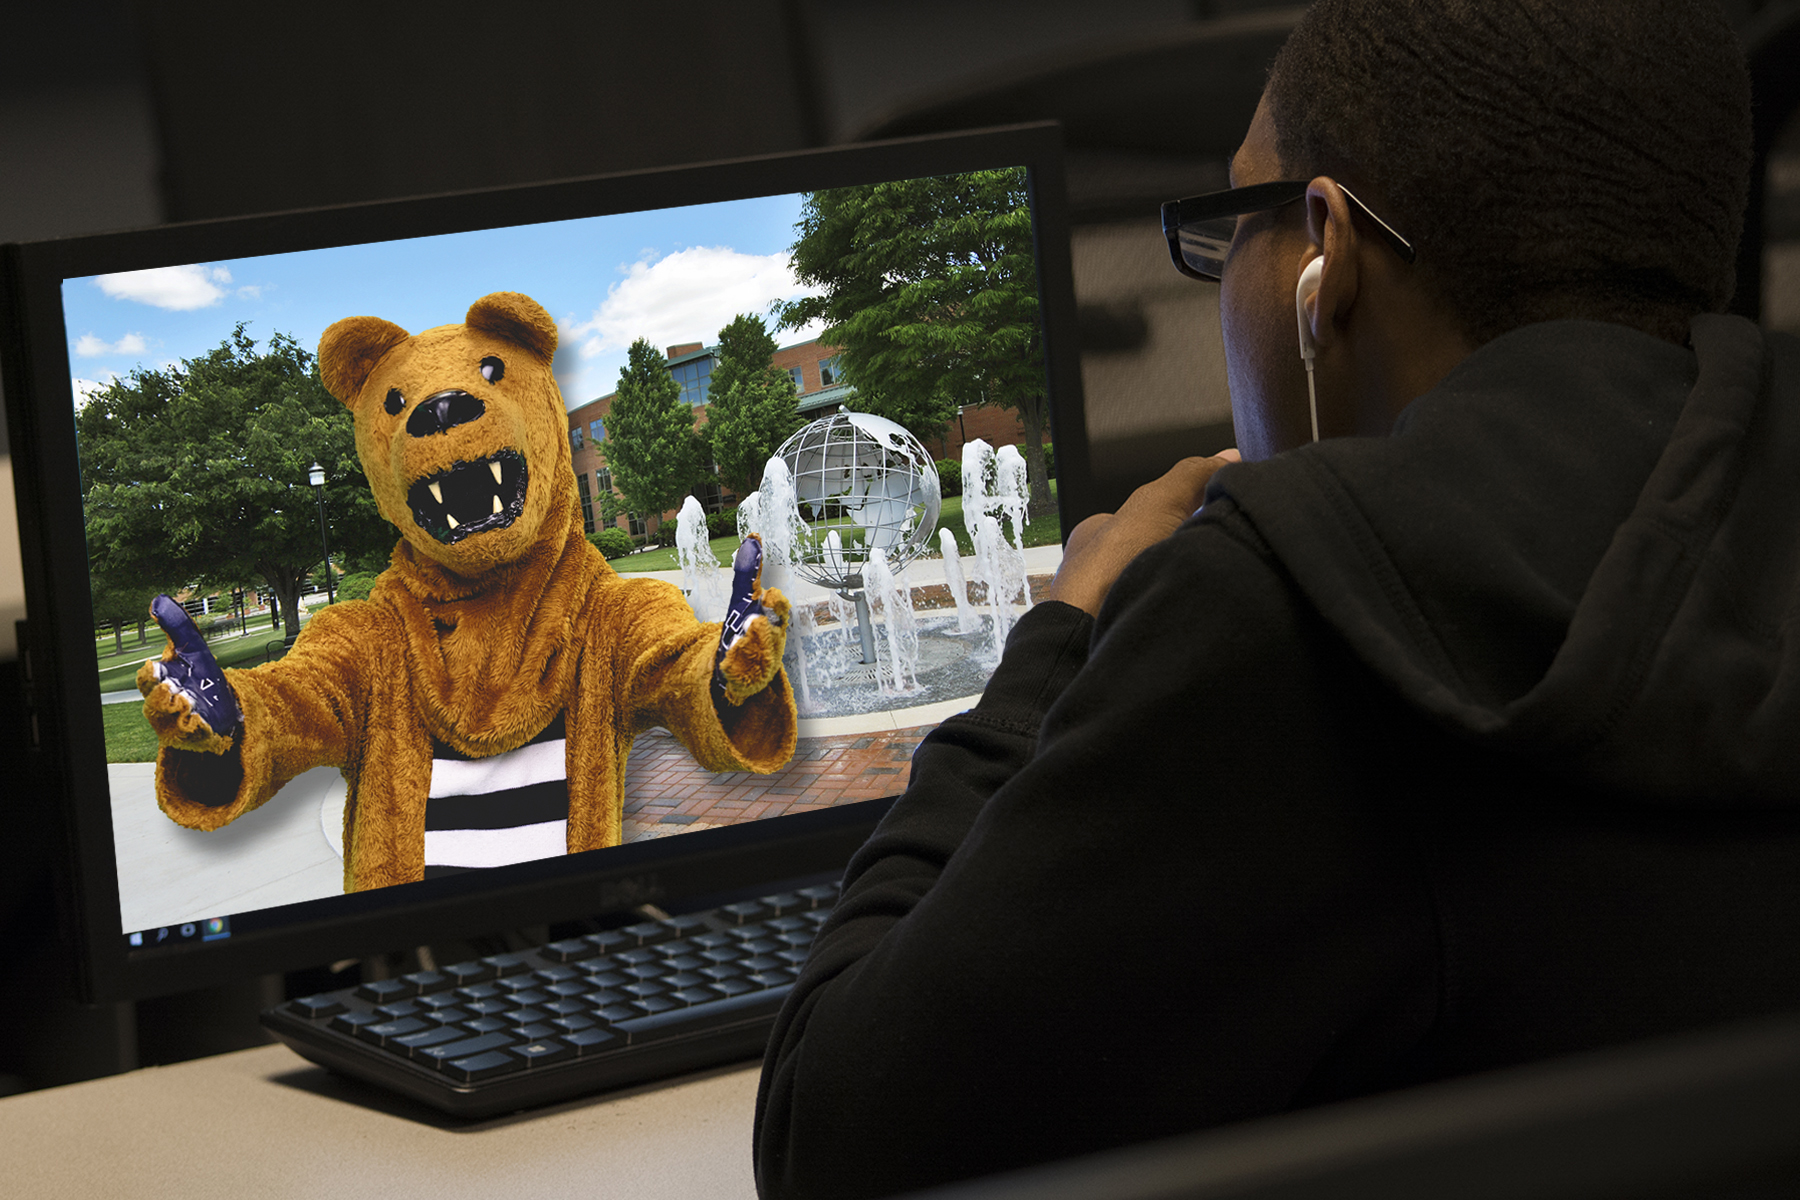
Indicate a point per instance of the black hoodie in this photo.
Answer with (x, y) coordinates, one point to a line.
(1406, 757)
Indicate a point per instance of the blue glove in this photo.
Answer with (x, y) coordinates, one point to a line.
(745, 603)
(193, 672)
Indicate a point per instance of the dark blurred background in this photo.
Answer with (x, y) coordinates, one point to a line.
(116, 114)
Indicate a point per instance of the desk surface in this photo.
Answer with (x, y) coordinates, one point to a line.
(266, 1123)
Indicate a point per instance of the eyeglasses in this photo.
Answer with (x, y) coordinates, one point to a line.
(1200, 228)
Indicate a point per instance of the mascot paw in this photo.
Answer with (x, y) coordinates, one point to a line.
(186, 698)
(754, 635)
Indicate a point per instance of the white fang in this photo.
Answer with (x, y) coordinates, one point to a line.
(453, 521)
(437, 493)
(495, 468)
(497, 504)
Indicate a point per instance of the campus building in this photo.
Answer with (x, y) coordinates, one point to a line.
(813, 367)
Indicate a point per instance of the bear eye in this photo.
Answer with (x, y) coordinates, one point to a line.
(395, 402)
(492, 369)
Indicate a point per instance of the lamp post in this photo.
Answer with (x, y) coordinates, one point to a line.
(317, 477)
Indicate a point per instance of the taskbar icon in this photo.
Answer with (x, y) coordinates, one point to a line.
(209, 930)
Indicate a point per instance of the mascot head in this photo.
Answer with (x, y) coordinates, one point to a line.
(461, 429)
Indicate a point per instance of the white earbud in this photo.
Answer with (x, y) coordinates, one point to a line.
(1309, 283)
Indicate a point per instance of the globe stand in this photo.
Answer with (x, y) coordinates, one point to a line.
(865, 624)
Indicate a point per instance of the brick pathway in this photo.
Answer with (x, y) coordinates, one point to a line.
(667, 792)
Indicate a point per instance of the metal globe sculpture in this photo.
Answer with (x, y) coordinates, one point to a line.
(862, 482)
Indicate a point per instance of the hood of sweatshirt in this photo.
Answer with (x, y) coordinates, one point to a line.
(1583, 544)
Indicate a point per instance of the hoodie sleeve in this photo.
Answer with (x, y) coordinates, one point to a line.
(1061, 938)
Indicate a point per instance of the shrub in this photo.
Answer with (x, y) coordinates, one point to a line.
(356, 586)
(949, 477)
(612, 542)
(722, 524)
(665, 534)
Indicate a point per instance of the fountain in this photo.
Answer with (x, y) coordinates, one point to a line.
(700, 576)
(966, 620)
(994, 486)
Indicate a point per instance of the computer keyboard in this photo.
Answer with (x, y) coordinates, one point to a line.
(578, 1015)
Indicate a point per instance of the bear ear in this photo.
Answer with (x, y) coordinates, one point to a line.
(349, 351)
(517, 318)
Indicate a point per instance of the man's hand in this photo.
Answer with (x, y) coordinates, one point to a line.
(754, 635)
(1102, 545)
(186, 699)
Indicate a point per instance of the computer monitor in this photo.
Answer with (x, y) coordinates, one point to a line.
(124, 324)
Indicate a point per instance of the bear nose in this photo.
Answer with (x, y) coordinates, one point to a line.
(443, 412)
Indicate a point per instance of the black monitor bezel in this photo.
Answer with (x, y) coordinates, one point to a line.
(66, 735)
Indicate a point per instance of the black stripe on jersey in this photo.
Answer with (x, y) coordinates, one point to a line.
(506, 809)
(434, 871)
(549, 733)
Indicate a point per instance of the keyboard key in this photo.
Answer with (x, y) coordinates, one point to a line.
(817, 916)
(386, 991)
(637, 991)
(747, 933)
(477, 1067)
(486, 1025)
(350, 1022)
(609, 979)
(535, 1030)
(784, 902)
(570, 1024)
(523, 1016)
(734, 987)
(593, 1040)
(411, 1044)
(393, 1012)
(570, 950)
(316, 1006)
(771, 978)
(796, 957)
(687, 962)
(507, 964)
(685, 979)
(565, 1006)
(763, 962)
(784, 924)
(797, 937)
(646, 971)
(676, 948)
(656, 1004)
(603, 997)
(823, 894)
(479, 991)
(746, 911)
(650, 932)
(620, 1012)
(438, 1001)
(446, 1016)
(635, 958)
(442, 1054)
(558, 974)
(711, 941)
(378, 1032)
(686, 923)
(543, 1052)
(608, 941)
(464, 973)
(570, 987)
(762, 946)
(427, 982)
(529, 996)
(720, 971)
(724, 954)
(723, 1011)
(523, 982)
(490, 1008)
(695, 995)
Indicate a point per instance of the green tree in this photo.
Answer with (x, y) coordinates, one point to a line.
(119, 605)
(198, 472)
(750, 409)
(930, 288)
(651, 445)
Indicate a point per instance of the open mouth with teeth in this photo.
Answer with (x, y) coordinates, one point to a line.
(468, 498)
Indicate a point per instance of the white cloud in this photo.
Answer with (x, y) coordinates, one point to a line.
(89, 346)
(85, 388)
(177, 288)
(687, 296)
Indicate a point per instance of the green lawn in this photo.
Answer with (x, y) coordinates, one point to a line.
(663, 558)
(128, 735)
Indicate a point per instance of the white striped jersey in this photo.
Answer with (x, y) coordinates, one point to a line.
(489, 812)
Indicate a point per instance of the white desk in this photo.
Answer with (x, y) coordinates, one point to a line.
(265, 1123)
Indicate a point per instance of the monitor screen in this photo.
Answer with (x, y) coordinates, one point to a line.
(196, 418)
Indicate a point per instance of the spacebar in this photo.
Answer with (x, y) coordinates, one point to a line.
(701, 1016)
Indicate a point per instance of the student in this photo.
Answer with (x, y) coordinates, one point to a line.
(1466, 736)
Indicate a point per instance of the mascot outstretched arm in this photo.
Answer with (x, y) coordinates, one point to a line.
(482, 702)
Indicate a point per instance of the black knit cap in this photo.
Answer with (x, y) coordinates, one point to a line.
(1548, 158)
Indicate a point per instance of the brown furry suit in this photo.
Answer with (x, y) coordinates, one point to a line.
(478, 639)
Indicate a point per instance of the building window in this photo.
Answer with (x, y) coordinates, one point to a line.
(575, 438)
(695, 378)
(828, 371)
(603, 480)
(798, 378)
(587, 504)
(597, 431)
(638, 526)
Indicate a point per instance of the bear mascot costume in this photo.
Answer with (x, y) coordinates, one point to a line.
(482, 701)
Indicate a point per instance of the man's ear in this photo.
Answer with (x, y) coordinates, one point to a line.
(1333, 234)
(517, 318)
(349, 351)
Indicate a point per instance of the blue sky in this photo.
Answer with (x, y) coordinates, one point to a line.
(671, 275)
